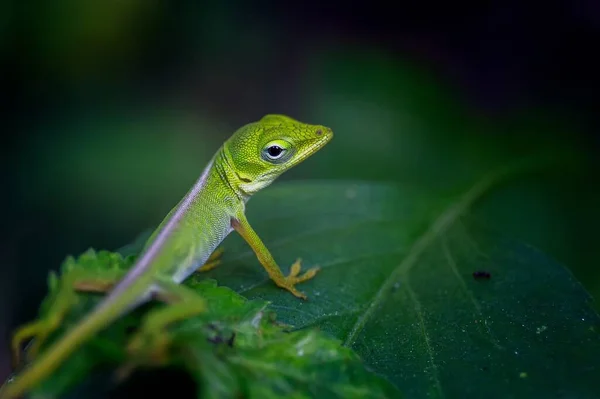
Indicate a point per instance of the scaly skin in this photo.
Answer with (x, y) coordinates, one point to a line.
(249, 161)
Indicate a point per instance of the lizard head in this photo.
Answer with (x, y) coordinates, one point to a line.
(261, 151)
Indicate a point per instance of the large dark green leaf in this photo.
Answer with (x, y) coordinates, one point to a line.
(397, 286)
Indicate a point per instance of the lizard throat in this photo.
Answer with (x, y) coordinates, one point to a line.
(244, 179)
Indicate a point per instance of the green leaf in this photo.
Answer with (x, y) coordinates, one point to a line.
(235, 349)
(397, 286)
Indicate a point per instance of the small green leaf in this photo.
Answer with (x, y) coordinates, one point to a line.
(258, 359)
(235, 349)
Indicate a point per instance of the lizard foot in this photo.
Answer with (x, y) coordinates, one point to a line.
(150, 347)
(213, 261)
(293, 278)
(38, 330)
(66, 296)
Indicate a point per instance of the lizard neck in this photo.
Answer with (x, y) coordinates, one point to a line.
(226, 170)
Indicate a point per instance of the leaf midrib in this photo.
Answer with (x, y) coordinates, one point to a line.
(440, 225)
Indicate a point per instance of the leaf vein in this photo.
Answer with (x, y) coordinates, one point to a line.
(430, 353)
(438, 227)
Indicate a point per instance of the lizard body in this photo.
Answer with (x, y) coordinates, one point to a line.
(254, 156)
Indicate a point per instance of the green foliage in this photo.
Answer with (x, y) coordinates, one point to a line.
(397, 287)
(235, 349)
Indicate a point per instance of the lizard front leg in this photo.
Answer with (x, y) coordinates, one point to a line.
(73, 281)
(242, 226)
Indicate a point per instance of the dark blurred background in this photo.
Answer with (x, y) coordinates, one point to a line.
(110, 110)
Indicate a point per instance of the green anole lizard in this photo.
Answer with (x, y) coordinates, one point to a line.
(186, 241)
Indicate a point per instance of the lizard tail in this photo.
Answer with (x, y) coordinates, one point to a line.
(53, 357)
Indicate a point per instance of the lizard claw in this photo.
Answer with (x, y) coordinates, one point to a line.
(296, 267)
(213, 261)
(292, 279)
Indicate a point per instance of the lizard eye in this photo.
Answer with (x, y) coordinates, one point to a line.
(276, 151)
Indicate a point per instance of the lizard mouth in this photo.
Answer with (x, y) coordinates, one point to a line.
(314, 147)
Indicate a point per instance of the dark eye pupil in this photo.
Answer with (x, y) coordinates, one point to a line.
(274, 150)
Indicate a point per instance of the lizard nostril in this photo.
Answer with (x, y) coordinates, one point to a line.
(319, 132)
